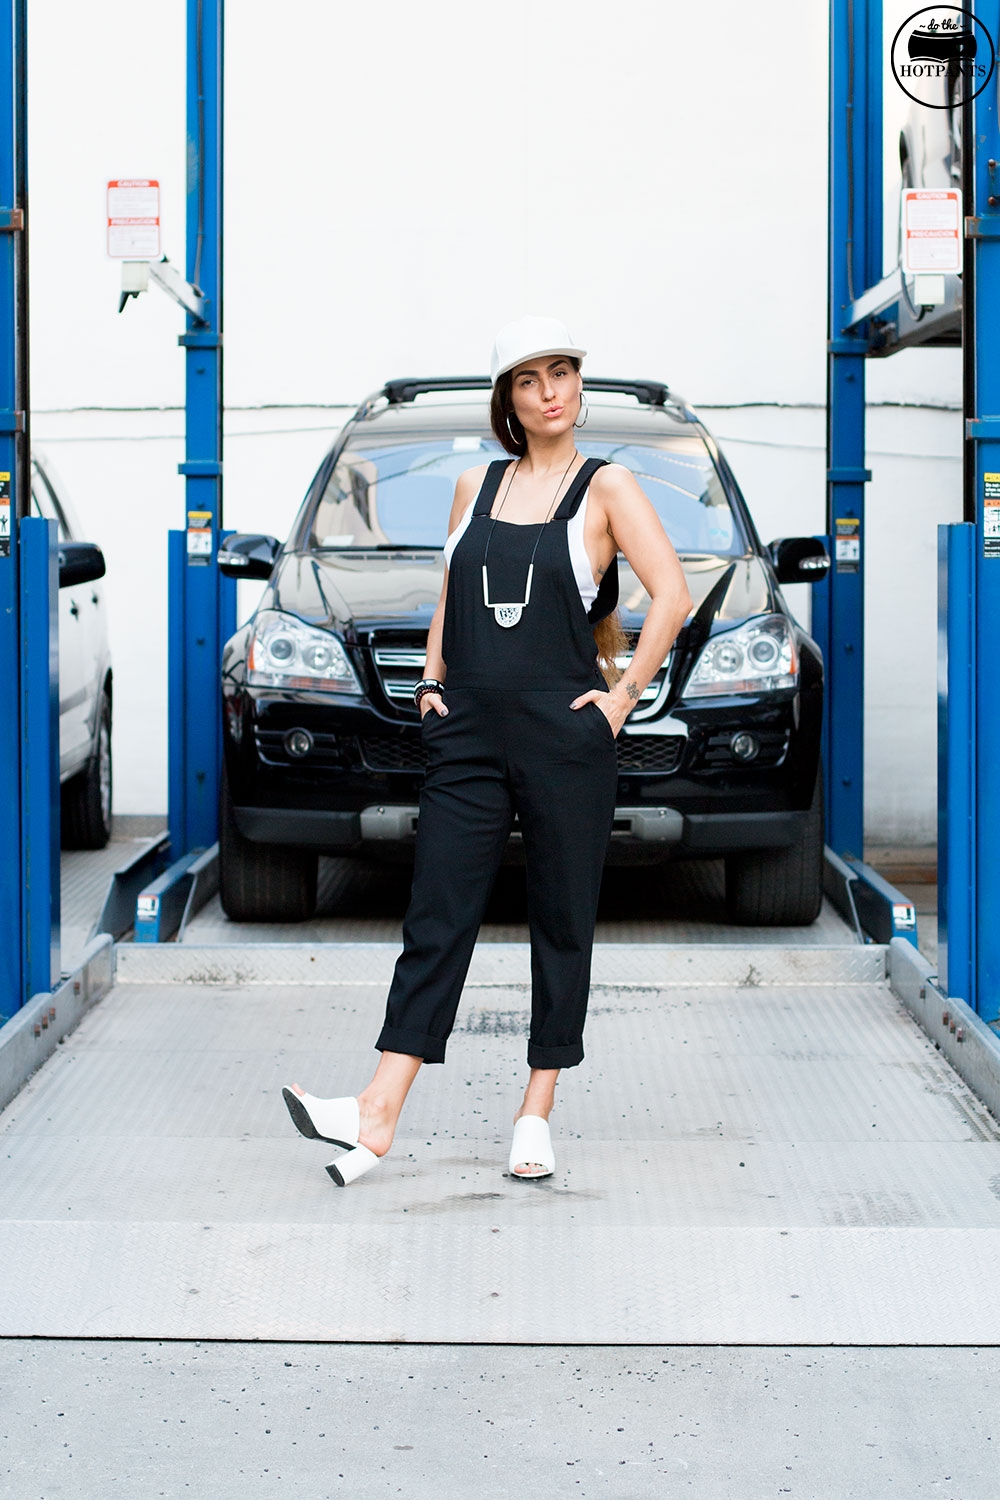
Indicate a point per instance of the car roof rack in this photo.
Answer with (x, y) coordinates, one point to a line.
(396, 392)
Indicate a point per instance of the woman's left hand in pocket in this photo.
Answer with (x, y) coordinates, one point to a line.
(613, 709)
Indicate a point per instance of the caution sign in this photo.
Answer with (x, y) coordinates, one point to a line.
(134, 218)
(847, 544)
(932, 231)
(199, 536)
(4, 515)
(991, 515)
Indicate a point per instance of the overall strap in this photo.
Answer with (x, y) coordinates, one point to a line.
(571, 500)
(491, 483)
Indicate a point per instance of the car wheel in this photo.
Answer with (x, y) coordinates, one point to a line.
(86, 797)
(262, 882)
(780, 887)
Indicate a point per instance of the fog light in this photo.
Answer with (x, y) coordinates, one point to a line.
(744, 746)
(298, 742)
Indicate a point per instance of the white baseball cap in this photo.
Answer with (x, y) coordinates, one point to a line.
(527, 337)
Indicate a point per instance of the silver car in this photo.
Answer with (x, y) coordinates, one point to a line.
(85, 677)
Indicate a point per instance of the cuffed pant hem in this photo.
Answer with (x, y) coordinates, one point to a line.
(555, 1057)
(415, 1044)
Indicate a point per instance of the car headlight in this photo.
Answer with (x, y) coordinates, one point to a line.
(759, 657)
(285, 653)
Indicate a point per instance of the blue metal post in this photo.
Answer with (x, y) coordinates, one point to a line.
(195, 732)
(855, 263)
(179, 689)
(40, 752)
(176, 690)
(956, 760)
(14, 479)
(984, 428)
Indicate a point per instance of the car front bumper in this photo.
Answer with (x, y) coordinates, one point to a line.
(653, 829)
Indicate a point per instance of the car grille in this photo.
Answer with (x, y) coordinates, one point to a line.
(382, 752)
(773, 748)
(653, 752)
(656, 753)
(399, 666)
(327, 749)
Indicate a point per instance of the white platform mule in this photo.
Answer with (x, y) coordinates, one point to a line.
(337, 1121)
(532, 1144)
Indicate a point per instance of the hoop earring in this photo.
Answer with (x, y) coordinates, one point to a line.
(513, 436)
(585, 408)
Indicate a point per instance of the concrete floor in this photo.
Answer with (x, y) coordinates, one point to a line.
(252, 1422)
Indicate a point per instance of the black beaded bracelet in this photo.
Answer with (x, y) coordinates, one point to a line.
(426, 685)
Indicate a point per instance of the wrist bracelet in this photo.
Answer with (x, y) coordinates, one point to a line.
(426, 685)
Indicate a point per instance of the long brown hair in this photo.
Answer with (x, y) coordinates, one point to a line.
(609, 634)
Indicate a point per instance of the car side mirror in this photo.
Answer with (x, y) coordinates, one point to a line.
(248, 554)
(799, 559)
(80, 562)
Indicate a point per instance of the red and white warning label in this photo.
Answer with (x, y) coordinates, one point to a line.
(134, 218)
(991, 515)
(932, 231)
(5, 514)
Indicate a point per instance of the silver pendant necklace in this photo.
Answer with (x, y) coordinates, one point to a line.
(508, 614)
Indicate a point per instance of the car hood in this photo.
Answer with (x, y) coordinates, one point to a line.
(349, 592)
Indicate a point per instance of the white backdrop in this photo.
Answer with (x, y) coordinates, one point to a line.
(400, 180)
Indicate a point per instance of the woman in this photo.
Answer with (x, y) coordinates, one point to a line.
(518, 716)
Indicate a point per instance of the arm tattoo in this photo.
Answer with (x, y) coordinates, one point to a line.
(632, 691)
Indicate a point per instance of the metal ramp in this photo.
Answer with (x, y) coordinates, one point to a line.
(364, 901)
(762, 1147)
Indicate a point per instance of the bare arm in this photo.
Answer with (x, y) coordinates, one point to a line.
(467, 486)
(637, 530)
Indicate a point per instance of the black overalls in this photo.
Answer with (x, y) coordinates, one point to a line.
(510, 743)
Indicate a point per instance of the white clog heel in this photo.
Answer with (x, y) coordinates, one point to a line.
(352, 1166)
(335, 1120)
(532, 1145)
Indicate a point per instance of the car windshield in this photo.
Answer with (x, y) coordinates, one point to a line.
(400, 494)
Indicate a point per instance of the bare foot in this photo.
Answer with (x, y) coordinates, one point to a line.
(378, 1123)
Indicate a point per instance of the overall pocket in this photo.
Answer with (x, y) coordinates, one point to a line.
(603, 718)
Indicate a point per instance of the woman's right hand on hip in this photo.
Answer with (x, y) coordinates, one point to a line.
(432, 701)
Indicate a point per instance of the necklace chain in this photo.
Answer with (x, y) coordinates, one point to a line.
(541, 524)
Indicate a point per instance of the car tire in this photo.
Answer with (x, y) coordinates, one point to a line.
(262, 882)
(780, 887)
(86, 797)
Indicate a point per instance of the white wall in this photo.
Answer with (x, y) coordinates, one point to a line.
(400, 180)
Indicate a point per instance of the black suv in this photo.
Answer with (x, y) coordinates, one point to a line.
(322, 747)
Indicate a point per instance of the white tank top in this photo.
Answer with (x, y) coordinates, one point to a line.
(582, 571)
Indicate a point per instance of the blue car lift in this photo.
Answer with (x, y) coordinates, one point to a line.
(969, 556)
(29, 662)
(854, 264)
(969, 608)
(202, 604)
